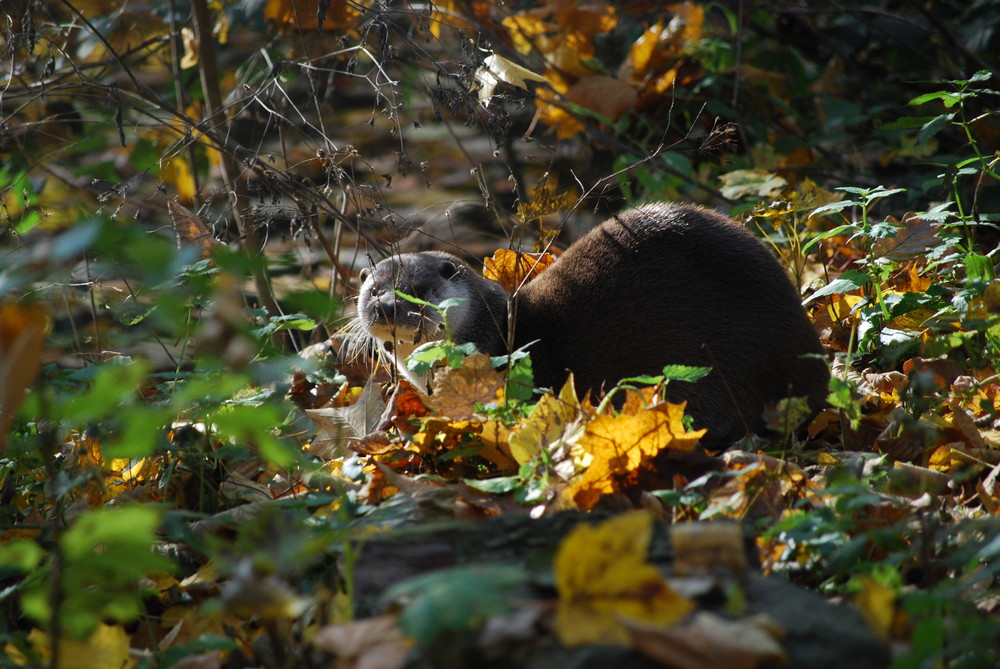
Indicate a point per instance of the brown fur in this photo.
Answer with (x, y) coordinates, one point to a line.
(660, 284)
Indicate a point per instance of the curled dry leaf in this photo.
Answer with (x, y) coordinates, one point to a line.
(455, 392)
(190, 230)
(552, 420)
(498, 69)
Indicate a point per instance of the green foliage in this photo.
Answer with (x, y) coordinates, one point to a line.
(455, 599)
(101, 558)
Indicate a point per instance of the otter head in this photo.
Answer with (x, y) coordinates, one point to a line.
(400, 325)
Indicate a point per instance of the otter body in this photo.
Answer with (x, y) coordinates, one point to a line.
(660, 284)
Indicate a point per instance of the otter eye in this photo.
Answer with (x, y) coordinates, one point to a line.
(448, 269)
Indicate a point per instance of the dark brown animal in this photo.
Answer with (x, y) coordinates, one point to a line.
(660, 284)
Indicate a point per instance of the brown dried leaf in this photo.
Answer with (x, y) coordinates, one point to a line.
(337, 424)
(190, 230)
(709, 641)
(916, 236)
(701, 548)
(373, 643)
(455, 392)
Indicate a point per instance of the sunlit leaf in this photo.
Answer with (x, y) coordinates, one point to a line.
(498, 69)
(550, 421)
(511, 269)
(602, 576)
(617, 445)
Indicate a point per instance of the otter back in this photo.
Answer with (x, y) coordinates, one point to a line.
(657, 285)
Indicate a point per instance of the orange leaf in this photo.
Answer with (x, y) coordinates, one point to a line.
(295, 15)
(23, 331)
(512, 269)
(618, 445)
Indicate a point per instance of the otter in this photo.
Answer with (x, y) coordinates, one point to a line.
(656, 285)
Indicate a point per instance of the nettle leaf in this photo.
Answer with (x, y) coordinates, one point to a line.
(685, 372)
(846, 282)
(932, 127)
(885, 230)
(839, 230)
(905, 122)
(832, 208)
(978, 267)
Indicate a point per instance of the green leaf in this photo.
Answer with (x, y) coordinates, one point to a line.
(832, 208)
(848, 281)
(839, 230)
(927, 97)
(256, 426)
(105, 554)
(496, 486)
(687, 373)
(907, 122)
(18, 557)
(520, 380)
(455, 599)
(115, 386)
(458, 352)
(978, 267)
(933, 127)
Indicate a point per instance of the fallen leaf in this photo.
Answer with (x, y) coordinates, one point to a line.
(189, 229)
(877, 603)
(336, 424)
(709, 641)
(373, 643)
(457, 391)
(603, 579)
(553, 419)
(617, 445)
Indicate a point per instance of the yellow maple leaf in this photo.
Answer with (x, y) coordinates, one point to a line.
(621, 444)
(602, 577)
(549, 422)
(580, 23)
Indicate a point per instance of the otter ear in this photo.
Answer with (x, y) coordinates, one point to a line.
(448, 269)
(363, 275)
